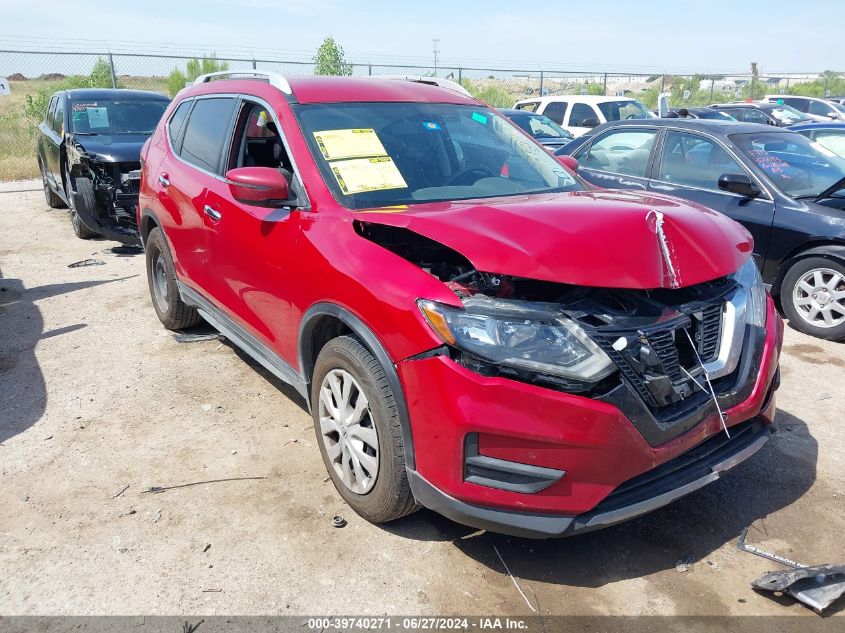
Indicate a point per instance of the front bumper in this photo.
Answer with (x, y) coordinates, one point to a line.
(587, 465)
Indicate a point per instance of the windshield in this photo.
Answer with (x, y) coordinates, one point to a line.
(541, 127)
(386, 154)
(112, 116)
(787, 114)
(838, 107)
(796, 165)
(621, 110)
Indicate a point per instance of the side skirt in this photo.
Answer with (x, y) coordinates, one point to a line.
(244, 340)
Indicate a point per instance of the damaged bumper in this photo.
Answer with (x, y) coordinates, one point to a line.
(521, 459)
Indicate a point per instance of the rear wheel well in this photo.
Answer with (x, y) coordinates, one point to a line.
(148, 223)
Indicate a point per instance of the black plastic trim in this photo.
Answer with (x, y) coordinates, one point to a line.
(505, 475)
(306, 329)
(543, 525)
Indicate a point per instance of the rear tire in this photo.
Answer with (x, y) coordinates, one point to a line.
(173, 313)
(813, 297)
(53, 199)
(85, 188)
(362, 444)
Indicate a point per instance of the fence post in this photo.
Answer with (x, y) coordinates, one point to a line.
(461, 76)
(370, 70)
(111, 70)
(604, 83)
(254, 65)
(541, 83)
(787, 84)
(712, 85)
(662, 82)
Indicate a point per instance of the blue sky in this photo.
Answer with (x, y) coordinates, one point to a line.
(715, 35)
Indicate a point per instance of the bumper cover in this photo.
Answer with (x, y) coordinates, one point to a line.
(694, 469)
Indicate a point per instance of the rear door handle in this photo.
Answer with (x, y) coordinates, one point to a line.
(213, 213)
(165, 182)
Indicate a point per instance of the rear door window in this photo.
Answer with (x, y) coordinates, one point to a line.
(583, 115)
(556, 111)
(821, 108)
(620, 152)
(754, 116)
(206, 132)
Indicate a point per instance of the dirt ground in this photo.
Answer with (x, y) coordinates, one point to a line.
(95, 396)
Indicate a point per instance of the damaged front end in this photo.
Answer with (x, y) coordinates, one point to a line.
(667, 357)
(104, 193)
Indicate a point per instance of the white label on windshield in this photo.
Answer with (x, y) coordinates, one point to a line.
(367, 174)
(98, 117)
(354, 143)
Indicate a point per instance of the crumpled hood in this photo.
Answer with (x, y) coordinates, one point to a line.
(610, 239)
(120, 148)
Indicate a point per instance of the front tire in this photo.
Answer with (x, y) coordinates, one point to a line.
(813, 297)
(85, 188)
(358, 430)
(173, 313)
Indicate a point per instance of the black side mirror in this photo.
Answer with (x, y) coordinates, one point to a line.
(739, 184)
(591, 122)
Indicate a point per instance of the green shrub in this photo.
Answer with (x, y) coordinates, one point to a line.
(193, 69)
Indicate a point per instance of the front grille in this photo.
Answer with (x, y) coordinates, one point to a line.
(709, 330)
(665, 346)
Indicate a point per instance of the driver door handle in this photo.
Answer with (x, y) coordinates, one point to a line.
(213, 213)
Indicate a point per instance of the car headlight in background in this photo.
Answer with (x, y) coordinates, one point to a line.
(533, 337)
(749, 279)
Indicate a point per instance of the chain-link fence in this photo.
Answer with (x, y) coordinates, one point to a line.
(34, 75)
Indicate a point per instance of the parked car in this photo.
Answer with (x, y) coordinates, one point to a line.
(580, 113)
(764, 113)
(541, 128)
(698, 113)
(473, 327)
(813, 107)
(786, 190)
(89, 148)
(830, 135)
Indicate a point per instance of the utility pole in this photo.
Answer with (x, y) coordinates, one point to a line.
(754, 74)
(436, 42)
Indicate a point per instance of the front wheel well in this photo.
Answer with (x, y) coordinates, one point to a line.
(325, 328)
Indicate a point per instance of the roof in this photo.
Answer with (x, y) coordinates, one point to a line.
(114, 93)
(325, 89)
(819, 125)
(745, 104)
(571, 98)
(713, 126)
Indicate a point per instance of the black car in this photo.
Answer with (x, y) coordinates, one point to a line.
(89, 150)
(785, 189)
(541, 128)
(777, 114)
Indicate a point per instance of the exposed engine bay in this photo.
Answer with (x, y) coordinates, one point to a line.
(105, 193)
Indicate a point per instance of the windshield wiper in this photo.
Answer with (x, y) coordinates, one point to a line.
(827, 193)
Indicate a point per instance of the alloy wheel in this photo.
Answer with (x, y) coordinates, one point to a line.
(160, 282)
(819, 297)
(347, 431)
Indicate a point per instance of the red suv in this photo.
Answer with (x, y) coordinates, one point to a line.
(475, 329)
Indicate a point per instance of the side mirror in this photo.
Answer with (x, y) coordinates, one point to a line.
(739, 184)
(591, 122)
(568, 161)
(259, 186)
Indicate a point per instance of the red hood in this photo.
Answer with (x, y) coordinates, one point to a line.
(598, 238)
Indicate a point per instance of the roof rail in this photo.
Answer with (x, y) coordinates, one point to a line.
(275, 79)
(448, 84)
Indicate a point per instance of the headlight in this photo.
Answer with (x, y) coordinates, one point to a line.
(530, 336)
(748, 277)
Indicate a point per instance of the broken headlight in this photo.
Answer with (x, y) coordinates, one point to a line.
(748, 278)
(525, 335)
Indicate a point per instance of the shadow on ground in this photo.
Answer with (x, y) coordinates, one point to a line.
(22, 386)
(691, 528)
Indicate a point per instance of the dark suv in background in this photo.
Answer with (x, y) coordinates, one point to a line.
(89, 150)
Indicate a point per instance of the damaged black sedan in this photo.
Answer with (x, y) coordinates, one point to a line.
(89, 150)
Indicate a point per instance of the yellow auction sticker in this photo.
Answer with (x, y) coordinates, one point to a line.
(367, 174)
(355, 143)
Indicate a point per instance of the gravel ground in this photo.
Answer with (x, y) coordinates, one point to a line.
(96, 396)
